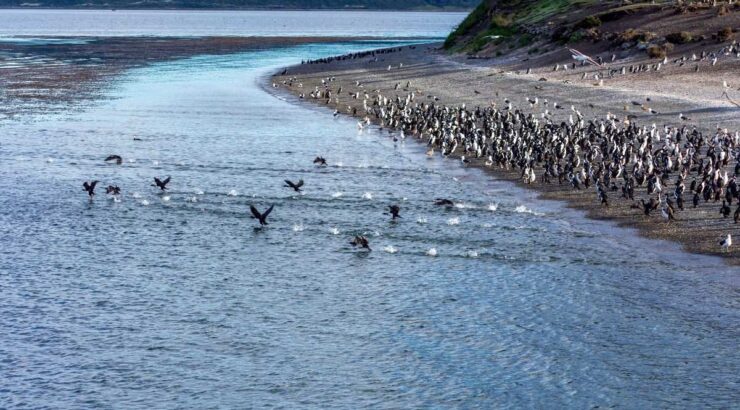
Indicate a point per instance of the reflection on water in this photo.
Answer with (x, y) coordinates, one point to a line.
(165, 300)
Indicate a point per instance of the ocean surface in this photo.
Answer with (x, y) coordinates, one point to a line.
(21, 22)
(178, 300)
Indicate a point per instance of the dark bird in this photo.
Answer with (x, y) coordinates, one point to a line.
(650, 206)
(116, 158)
(161, 184)
(443, 202)
(725, 209)
(320, 161)
(113, 189)
(360, 241)
(90, 188)
(260, 217)
(394, 211)
(296, 187)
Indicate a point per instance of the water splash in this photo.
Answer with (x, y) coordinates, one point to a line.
(367, 195)
(453, 221)
(390, 249)
(432, 252)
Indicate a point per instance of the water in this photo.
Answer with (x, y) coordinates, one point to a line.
(15, 22)
(153, 303)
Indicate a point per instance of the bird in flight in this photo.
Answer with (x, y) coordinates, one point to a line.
(296, 186)
(261, 217)
(161, 184)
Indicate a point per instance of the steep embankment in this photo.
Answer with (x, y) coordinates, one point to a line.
(535, 28)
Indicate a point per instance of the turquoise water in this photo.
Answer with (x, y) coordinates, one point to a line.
(176, 300)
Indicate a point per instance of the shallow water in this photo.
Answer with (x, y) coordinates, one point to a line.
(17, 22)
(181, 302)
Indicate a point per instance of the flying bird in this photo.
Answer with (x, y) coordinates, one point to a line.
(394, 211)
(161, 184)
(262, 218)
(360, 241)
(296, 186)
(90, 188)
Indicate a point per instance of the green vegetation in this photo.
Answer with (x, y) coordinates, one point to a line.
(476, 16)
(589, 22)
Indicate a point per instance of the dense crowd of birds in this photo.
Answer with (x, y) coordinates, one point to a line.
(373, 54)
(669, 166)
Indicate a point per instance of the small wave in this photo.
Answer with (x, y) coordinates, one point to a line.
(144, 202)
(524, 210)
(298, 227)
(166, 198)
(488, 225)
(49, 160)
(432, 252)
(334, 231)
(136, 195)
(337, 194)
(461, 205)
(471, 254)
(192, 199)
(421, 220)
(233, 193)
(453, 221)
(155, 163)
(116, 199)
(390, 249)
(340, 164)
(199, 192)
(492, 207)
(131, 160)
(367, 195)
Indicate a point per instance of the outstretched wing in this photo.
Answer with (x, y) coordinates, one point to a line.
(299, 184)
(157, 181)
(267, 212)
(290, 184)
(92, 185)
(166, 181)
(255, 213)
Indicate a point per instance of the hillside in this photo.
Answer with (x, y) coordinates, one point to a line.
(248, 4)
(500, 28)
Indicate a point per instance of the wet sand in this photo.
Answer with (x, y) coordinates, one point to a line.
(44, 74)
(453, 81)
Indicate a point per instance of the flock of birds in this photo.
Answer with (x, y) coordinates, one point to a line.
(360, 241)
(665, 164)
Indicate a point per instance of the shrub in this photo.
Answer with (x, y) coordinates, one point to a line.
(682, 37)
(589, 22)
(725, 34)
(500, 20)
(656, 51)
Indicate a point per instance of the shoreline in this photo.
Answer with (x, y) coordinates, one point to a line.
(40, 75)
(450, 82)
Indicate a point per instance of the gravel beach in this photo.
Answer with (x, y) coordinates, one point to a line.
(674, 96)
